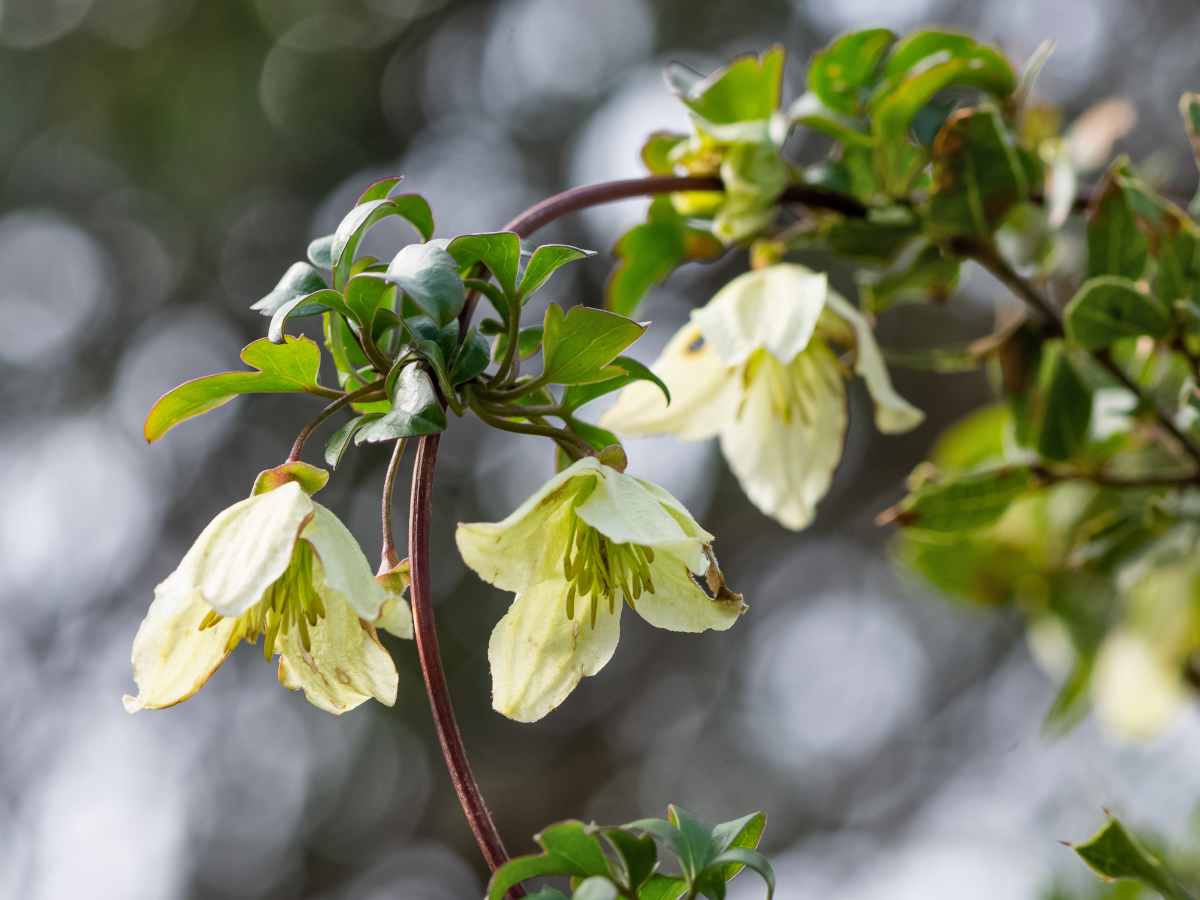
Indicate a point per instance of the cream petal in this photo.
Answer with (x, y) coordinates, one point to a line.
(172, 657)
(245, 549)
(625, 512)
(785, 462)
(507, 553)
(680, 604)
(538, 655)
(1135, 691)
(346, 664)
(703, 393)
(893, 414)
(345, 568)
(395, 617)
(775, 308)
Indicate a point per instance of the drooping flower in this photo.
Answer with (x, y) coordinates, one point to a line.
(756, 367)
(589, 542)
(282, 567)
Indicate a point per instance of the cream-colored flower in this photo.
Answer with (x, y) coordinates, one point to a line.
(280, 566)
(755, 367)
(590, 541)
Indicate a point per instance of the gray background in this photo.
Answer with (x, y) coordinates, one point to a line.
(162, 162)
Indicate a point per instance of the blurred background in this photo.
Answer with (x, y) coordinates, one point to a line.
(163, 161)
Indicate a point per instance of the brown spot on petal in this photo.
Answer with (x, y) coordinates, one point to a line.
(341, 676)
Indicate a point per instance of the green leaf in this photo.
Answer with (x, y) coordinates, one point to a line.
(522, 868)
(967, 502)
(663, 887)
(336, 446)
(290, 367)
(598, 887)
(809, 111)
(429, 276)
(1059, 411)
(596, 437)
(529, 341)
(365, 295)
(499, 251)
(1116, 246)
(919, 67)
(363, 217)
(1114, 853)
(1189, 108)
(637, 856)
(578, 347)
(879, 238)
(574, 843)
(737, 857)
(1108, 308)
(544, 262)
(743, 833)
(746, 90)
(299, 280)
(692, 841)
(547, 894)
(415, 410)
(651, 251)
(657, 148)
(578, 394)
(842, 74)
(494, 295)
(926, 275)
(472, 358)
(379, 190)
(307, 305)
(978, 175)
(320, 252)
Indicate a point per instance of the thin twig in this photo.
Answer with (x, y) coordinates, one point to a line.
(341, 401)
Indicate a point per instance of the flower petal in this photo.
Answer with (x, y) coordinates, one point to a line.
(784, 455)
(538, 655)
(245, 549)
(775, 308)
(172, 657)
(507, 553)
(680, 604)
(345, 665)
(395, 617)
(623, 510)
(703, 393)
(893, 414)
(346, 568)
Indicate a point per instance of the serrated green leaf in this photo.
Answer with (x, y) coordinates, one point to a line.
(429, 277)
(500, 251)
(336, 446)
(966, 502)
(578, 394)
(1114, 853)
(360, 219)
(415, 410)
(290, 367)
(578, 347)
(472, 358)
(978, 175)
(843, 73)
(545, 261)
(1108, 308)
(299, 280)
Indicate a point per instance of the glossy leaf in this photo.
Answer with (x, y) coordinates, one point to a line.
(499, 251)
(363, 217)
(415, 410)
(657, 150)
(636, 856)
(529, 342)
(298, 281)
(472, 359)
(843, 73)
(631, 370)
(379, 190)
(320, 252)
(336, 446)
(570, 848)
(545, 261)
(736, 858)
(1108, 308)
(364, 296)
(306, 305)
(745, 90)
(577, 348)
(663, 887)
(429, 277)
(965, 503)
(290, 367)
(1114, 853)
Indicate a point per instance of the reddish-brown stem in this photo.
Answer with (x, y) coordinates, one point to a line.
(342, 400)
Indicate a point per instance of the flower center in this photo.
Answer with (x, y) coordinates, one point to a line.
(599, 569)
(290, 602)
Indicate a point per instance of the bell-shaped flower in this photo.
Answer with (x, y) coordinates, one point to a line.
(756, 366)
(591, 541)
(282, 567)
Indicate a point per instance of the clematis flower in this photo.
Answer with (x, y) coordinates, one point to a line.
(589, 542)
(756, 367)
(280, 566)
